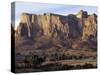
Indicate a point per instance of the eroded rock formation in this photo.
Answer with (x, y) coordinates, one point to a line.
(62, 30)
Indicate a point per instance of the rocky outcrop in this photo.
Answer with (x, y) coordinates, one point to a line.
(88, 24)
(49, 25)
(90, 27)
(62, 30)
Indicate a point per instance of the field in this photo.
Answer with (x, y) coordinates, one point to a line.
(61, 59)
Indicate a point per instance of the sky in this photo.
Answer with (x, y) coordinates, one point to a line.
(40, 8)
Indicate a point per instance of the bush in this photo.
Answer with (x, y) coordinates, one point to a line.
(33, 61)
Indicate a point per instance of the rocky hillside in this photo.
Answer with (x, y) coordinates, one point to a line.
(47, 30)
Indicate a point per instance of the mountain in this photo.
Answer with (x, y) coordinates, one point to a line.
(48, 30)
(89, 24)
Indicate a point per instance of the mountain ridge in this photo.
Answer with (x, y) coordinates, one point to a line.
(58, 28)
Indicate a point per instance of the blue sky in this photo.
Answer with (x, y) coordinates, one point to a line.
(40, 8)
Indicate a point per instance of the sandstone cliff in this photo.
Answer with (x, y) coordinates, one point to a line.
(49, 28)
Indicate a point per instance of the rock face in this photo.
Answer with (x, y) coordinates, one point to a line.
(90, 27)
(88, 24)
(62, 30)
(46, 25)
